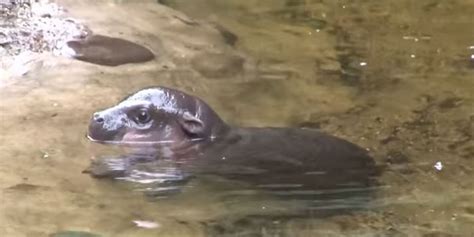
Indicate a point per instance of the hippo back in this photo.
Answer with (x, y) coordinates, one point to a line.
(286, 156)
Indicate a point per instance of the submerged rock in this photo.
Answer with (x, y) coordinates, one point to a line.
(220, 65)
(109, 51)
(71, 233)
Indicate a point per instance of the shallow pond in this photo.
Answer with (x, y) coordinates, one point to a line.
(395, 77)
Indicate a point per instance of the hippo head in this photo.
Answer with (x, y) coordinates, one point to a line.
(156, 116)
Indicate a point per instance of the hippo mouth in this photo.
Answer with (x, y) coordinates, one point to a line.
(136, 143)
(100, 141)
(98, 134)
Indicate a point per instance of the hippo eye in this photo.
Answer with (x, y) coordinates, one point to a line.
(143, 117)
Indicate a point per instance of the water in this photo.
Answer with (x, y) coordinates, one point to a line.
(392, 76)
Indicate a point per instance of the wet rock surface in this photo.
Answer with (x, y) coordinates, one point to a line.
(29, 28)
(34, 31)
(32, 26)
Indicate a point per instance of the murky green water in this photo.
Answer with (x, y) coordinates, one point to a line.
(393, 76)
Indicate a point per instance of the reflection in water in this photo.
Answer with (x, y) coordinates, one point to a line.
(154, 177)
(310, 194)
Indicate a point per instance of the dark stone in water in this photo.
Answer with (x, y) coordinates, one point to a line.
(109, 51)
(396, 157)
(449, 103)
(229, 37)
(24, 187)
(218, 65)
(70, 233)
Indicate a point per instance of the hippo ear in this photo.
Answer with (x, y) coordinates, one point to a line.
(191, 125)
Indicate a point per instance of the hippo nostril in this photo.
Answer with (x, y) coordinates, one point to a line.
(98, 118)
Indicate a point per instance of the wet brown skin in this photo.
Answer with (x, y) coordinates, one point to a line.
(109, 51)
(174, 125)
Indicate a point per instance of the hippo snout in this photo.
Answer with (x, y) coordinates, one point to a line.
(98, 118)
(104, 127)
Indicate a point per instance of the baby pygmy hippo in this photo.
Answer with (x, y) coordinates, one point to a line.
(166, 124)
